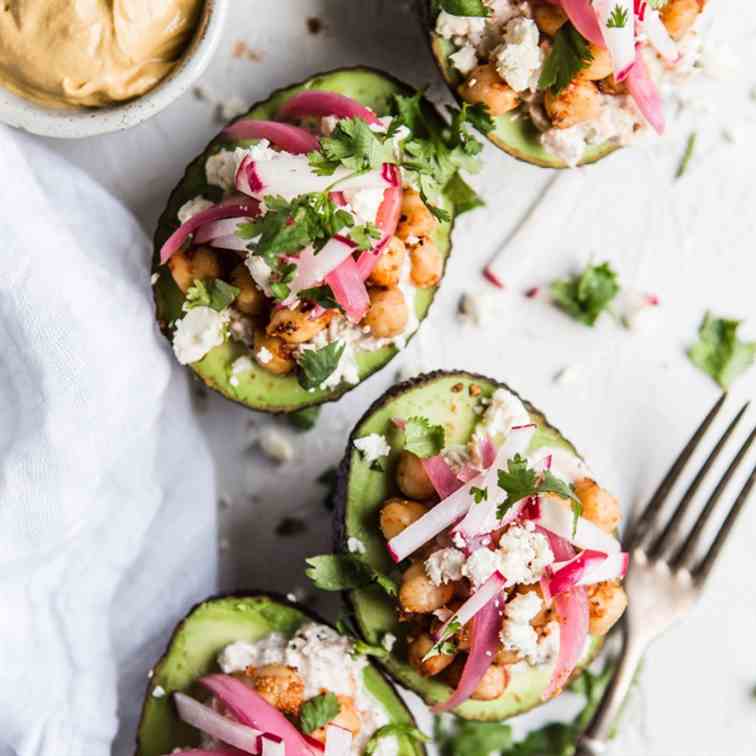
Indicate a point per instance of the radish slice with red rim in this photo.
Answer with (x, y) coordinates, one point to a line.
(272, 745)
(313, 103)
(583, 18)
(219, 228)
(617, 18)
(587, 568)
(558, 518)
(644, 92)
(283, 135)
(338, 741)
(441, 475)
(348, 289)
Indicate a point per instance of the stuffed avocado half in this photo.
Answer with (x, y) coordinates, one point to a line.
(564, 83)
(284, 656)
(304, 246)
(486, 521)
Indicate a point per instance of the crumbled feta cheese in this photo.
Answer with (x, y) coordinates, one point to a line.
(261, 273)
(388, 641)
(566, 144)
(465, 59)
(519, 59)
(192, 207)
(480, 565)
(291, 597)
(562, 464)
(276, 445)
(525, 554)
(524, 607)
(154, 278)
(355, 545)
(504, 413)
(365, 203)
(220, 169)
(328, 124)
(449, 26)
(199, 331)
(517, 634)
(241, 365)
(264, 355)
(477, 309)
(372, 447)
(158, 692)
(445, 566)
(236, 657)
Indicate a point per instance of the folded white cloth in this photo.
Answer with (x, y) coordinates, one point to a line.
(107, 511)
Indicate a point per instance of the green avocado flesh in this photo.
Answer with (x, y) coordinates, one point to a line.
(514, 132)
(259, 389)
(363, 492)
(192, 653)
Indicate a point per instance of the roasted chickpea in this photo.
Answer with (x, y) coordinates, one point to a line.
(610, 86)
(195, 264)
(418, 593)
(606, 601)
(411, 477)
(430, 667)
(600, 66)
(415, 218)
(680, 15)
(427, 263)
(389, 266)
(273, 354)
(549, 18)
(485, 85)
(296, 326)
(251, 301)
(388, 313)
(280, 686)
(504, 656)
(398, 514)
(348, 718)
(579, 101)
(599, 506)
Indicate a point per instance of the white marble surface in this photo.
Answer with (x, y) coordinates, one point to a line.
(636, 398)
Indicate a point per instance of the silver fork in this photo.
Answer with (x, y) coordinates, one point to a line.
(665, 579)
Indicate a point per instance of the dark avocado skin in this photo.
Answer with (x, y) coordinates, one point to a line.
(218, 621)
(259, 389)
(518, 138)
(374, 612)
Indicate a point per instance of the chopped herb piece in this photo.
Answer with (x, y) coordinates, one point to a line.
(690, 147)
(445, 645)
(587, 295)
(618, 18)
(423, 439)
(719, 352)
(321, 295)
(341, 572)
(570, 54)
(365, 236)
(479, 494)
(316, 365)
(465, 7)
(318, 712)
(391, 730)
(354, 145)
(213, 293)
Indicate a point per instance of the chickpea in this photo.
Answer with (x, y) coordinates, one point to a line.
(600, 66)
(280, 686)
(505, 656)
(195, 264)
(427, 263)
(388, 268)
(415, 218)
(412, 479)
(680, 15)
(579, 101)
(278, 359)
(599, 506)
(348, 718)
(606, 601)
(492, 685)
(433, 666)
(610, 86)
(418, 593)
(388, 313)
(549, 18)
(398, 514)
(485, 85)
(296, 326)
(251, 301)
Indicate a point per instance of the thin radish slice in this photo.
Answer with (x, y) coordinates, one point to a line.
(386, 219)
(558, 518)
(349, 289)
(219, 228)
(283, 135)
(583, 18)
(483, 644)
(175, 241)
(249, 708)
(619, 37)
(338, 741)
(312, 103)
(441, 475)
(367, 261)
(312, 267)
(644, 92)
(485, 594)
(587, 568)
(658, 35)
(232, 241)
(561, 463)
(272, 745)
(216, 725)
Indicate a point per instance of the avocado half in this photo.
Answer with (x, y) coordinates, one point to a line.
(192, 653)
(259, 389)
(444, 398)
(514, 134)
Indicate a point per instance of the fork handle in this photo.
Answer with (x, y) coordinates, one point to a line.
(594, 740)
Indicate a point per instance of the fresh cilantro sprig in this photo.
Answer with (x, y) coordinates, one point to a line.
(317, 365)
(365, 236)
(343, 572)
(423, 439)
(569, 54)
(354, 145)
(618, 18)
(479, 494)
(519, 482)
(587, 295)
(213, 293)
(464, 7)
(321, 295)
(317, 712)
(445, 645)
(719, 352)
(395, 729)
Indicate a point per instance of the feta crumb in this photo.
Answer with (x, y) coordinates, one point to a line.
(519, 58)
(465, 59)
(388, 641)
(261, 273)
(291, 597)
(220, 169)
(236, 657)
(241, 365)
(524, 555)
(477, 309)
(154, 278)
(445, 566)
(355, 546)
(199, 331)
(480, 565)
(517, 634)
(158, 692)
(449, 26)
(192, 207)
(276, 445)
(372, 447)
(264, 355)
(365, 203)
(504, 413)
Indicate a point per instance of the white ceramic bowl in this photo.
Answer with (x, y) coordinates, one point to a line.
(74, 124)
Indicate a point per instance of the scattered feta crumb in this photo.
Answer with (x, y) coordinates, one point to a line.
(355, 545)
(372, 447)
(193, 206)
(276, 445)
(220, 169)
(264, 355)
(465, 59)
(158, 692)
(449, 26)
(291, 597)
(241, 365)
(519, 58)
(525, 554)
(199, 331)
(480, 565)
(477, 309)
(365, 203)
(388, 641)
(154, 278)
(445, 566)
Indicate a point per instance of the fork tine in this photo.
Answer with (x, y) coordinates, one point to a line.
(683, 555)
(702, 571)
(649, 513)
(670, 530)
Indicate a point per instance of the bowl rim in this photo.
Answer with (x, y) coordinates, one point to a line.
(76, 124)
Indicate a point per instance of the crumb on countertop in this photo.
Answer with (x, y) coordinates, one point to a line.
(242, 50)
(314, 25)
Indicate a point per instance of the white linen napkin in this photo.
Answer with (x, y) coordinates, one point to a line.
(107, 511)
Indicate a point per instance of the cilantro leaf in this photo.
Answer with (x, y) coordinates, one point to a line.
(322, 295)
(318, 712)
(719, 352)
(423, 439)
(353, 144)
(316, 365)
(465, 7)
(479, 494)
(400, 729)
(587, 295)
(445, 645)
(212, 293)
(365, 236)
(474, 739)
(569, 55)
(342, 572)
(617, 18)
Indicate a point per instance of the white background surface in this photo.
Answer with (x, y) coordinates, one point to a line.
(636, 399)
